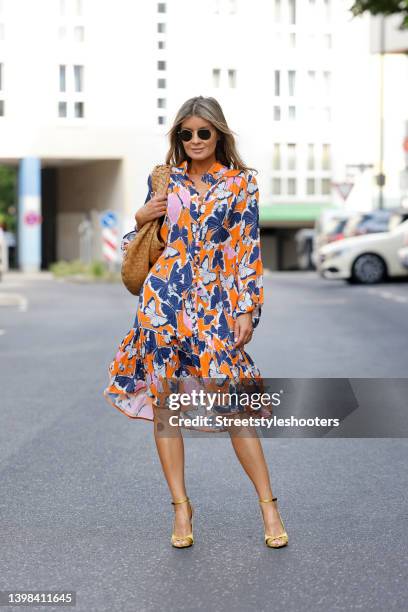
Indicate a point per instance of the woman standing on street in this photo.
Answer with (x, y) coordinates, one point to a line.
(201, 300)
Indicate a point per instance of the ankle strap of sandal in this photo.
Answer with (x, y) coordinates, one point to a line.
(265, 501)
(180, 501)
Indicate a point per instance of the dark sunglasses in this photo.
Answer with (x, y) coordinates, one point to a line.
(203, 134)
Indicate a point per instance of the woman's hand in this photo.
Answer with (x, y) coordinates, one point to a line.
(154, 208)
(243, 329)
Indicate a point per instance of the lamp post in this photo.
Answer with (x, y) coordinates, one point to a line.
(381, 176)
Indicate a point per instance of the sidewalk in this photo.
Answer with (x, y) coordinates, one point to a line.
(14, 275)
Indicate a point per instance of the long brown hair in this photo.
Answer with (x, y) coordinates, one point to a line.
(206, 108)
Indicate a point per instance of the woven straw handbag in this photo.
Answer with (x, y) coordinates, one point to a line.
(147, 246)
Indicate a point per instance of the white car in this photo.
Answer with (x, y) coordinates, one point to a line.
(366, 259)
(403, 256)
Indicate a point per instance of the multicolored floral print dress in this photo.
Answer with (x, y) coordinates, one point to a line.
(209, 273)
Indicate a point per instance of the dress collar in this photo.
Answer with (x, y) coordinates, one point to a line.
(214, 173)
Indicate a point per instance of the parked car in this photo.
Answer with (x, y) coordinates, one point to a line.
(403, 252)
(304, 248)
(366, 259)
(329, 228)
(403, 256)
(368, 223)
(399, 215)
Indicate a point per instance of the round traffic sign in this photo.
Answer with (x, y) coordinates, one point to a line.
(109, 219)
(32, 217)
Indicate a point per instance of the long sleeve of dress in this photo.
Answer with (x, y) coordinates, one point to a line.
(250, 267)
(130, 235)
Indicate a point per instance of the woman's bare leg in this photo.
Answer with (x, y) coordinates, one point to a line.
(170, 448)
(249, 451)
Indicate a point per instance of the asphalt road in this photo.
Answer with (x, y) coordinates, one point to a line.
(84, 504)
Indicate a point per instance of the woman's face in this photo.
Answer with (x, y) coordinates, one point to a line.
(197, 148)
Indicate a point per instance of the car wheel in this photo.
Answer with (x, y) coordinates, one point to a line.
(369, 269)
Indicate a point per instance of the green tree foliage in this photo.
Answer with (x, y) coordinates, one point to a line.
(383, 7)
(8, 205)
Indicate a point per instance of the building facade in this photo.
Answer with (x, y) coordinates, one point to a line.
(88, 90)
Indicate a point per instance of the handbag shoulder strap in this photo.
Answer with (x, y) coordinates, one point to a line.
(161, 178)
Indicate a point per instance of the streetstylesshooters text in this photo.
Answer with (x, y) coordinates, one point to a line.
(253, 400)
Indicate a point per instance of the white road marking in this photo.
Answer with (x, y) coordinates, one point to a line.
(388, 295)
(14, 299)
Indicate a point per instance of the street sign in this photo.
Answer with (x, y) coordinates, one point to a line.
(109, 219)
(110, 242)
(32, 217)
(380, 180)
(344, 188)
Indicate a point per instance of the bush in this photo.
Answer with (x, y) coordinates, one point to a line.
(95, 270)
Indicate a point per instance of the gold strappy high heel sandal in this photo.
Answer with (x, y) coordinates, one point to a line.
(189, 540)
(283, 537)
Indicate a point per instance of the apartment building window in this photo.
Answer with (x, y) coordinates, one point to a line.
(161, 65)
(161, 120)
(277, 83)
(310, 186)
(161, 83)
(326, 157)
(292, 113)
(79, 78)
(161, 28)
(75, 6)
(277, 11)
(161, 102)
(62, 109)
(292, 40)
(292, 11)
(71, 82)
(276, 160)
(327, 8)
(161, 44)
(216, 76)
(326, 186)
(232, 77)
(276, 186)
(310, 156)
(232, 6)
(292, 187)
(276, 113)
(79, 33)
(1, 31)
(326, 82)
(291, 82)
(62, 78)
(311, 77)
(1, 108)
(327, 41)
(62, 32)
(327, 113)
(78, 109)
(161, 7)
(291, 153)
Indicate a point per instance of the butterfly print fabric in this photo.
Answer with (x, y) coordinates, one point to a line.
(209, 273)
